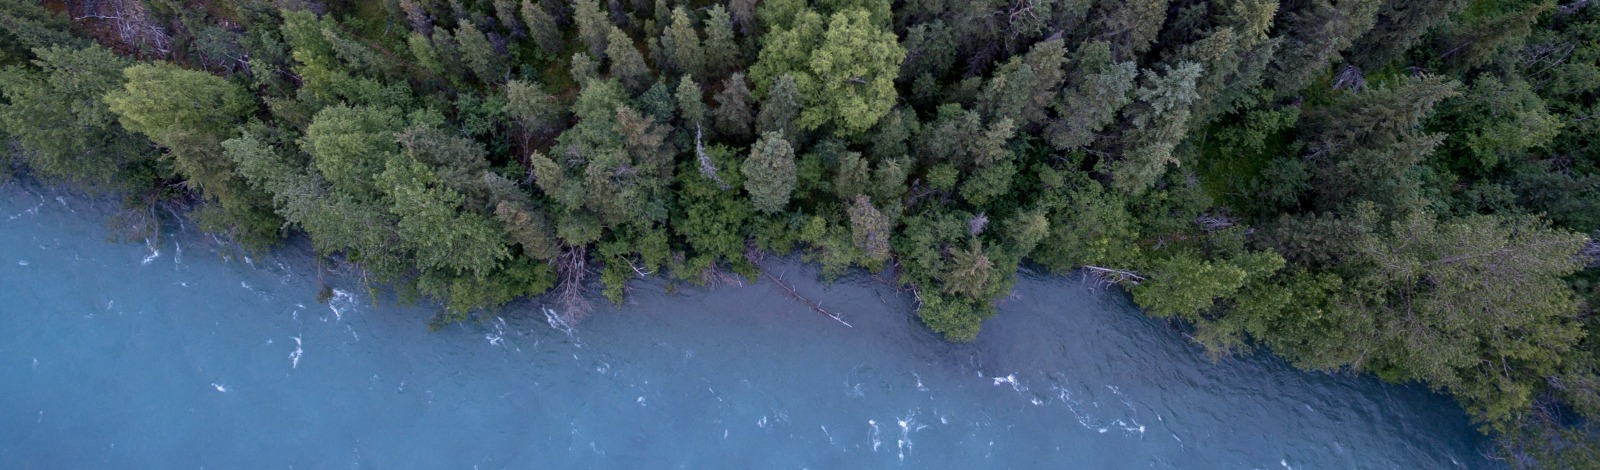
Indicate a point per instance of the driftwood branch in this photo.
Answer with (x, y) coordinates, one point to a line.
(1117, 275)
(754, 256)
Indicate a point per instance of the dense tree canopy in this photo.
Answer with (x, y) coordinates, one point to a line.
(1406, 188)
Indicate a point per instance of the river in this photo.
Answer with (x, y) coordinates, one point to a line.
(182, 354)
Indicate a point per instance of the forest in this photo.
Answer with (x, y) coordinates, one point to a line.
(1408, 188)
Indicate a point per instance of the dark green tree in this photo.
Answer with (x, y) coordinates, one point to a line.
(769, 173)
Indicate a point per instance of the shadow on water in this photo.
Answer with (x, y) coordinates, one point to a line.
(174, 355)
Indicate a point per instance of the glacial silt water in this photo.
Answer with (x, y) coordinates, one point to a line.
(174, 354)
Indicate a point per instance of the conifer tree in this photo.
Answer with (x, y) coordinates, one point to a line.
(593, 28)
(1315, 34)
(59, 116)
(682, 45)
(542, 28)
(1024, 88)
(1132, 25)
(691, 107)
(479, 55)
(1091, 102)
(733, 115)
(769, 173)
(1160, 122)
(1398, 26)
(531, 106)
(721, 49)
(627, 64)
(780, 108)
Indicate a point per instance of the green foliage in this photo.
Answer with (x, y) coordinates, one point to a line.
(56, 112)
(682, 44)
(627, 64)
(1322, 209)
(542, 27)
(769, 173)
(733, 114)
(780, 108)
(530, 105)
(844, 71)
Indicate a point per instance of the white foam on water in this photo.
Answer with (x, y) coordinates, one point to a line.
(340, 297)
(640, 401)
(33, 211)
(294, 356)
(875, 441)
(560, 323)
(497, 337)
(36, 362)
(22, 263)
(154, 252)
(220, 387)
(904, 443)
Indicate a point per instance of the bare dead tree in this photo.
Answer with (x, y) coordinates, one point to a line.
(1571, 8)
(707, 168)
(129, 20)
(1590, 252)
(1350, 78)
(571, 271)
(1213, 222)
(977, 223)
(1116, 276)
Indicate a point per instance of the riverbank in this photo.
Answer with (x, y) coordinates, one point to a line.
(167, 355)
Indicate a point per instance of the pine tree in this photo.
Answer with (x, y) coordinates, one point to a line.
(542, 28)
(1024, 88)
(780, 108)
(593, 28)
(189, 113)
(733, 115)
(721, 49)
(531, 106)
(691, 107)
(769, 173)
(627, 64)
(79, 142)
(869, 230)
(1092, 100)
(1315, 34)
(1160, 122)
(479, 55)
(1132, 25)
(584, 68)
(682, 45)
(1399, 24)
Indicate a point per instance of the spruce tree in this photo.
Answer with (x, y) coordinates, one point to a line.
(769, 173)
(682, 45)
(721, 49)
(780, 108)
(627, 64)
(691, 107)
(733, 114)
(542, 28)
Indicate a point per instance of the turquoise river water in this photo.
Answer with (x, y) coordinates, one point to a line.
(174, 354)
